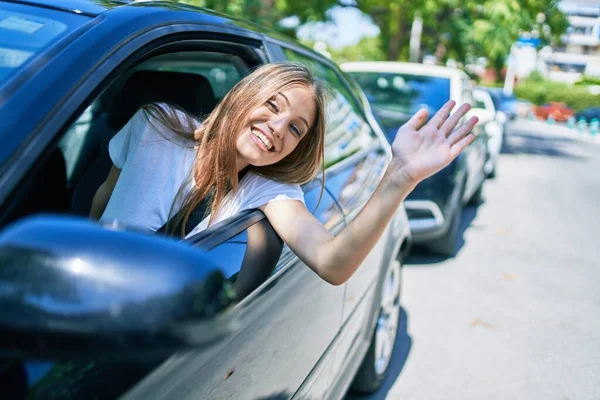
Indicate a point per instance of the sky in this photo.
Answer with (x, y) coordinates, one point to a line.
(348, 26)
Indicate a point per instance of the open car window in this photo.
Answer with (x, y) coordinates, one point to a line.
(66, 177)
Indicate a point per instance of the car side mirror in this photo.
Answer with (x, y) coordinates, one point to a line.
(483, 114)
(69, 287)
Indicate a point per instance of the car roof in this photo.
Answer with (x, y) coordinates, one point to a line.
(402, 67)
(97, 7)
(88, 7)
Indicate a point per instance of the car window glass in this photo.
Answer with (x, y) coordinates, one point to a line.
(28, 31)
(347, 132)
(71, 144)
(479, 104)
(395, 97)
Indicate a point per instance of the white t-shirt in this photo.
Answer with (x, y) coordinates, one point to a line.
(155, 163)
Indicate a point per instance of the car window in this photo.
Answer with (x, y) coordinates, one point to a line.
(26, 32)
(347, 132)
(395, 97)
(479, 104)
(66, 178)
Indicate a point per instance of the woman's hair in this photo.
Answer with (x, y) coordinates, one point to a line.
(215, 167)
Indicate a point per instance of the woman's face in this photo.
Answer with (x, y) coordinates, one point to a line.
(275, 128)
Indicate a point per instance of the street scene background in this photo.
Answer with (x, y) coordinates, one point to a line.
(513, 315)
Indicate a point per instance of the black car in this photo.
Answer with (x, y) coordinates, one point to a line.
(396, 91)
(93, 311)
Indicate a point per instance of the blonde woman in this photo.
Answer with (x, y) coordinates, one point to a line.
(269, 131)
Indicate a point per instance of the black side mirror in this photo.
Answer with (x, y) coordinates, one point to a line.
(69, 287)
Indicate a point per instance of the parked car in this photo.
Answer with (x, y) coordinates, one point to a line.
(494, 123)
(101, 311)
(588, 114)
(557, 110)
(396, 91)
(508, 104)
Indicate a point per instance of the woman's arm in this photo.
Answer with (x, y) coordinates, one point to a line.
(418, 152)
(103, 193)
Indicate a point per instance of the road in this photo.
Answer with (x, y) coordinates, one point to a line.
(516, 314)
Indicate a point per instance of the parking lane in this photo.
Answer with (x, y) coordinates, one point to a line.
(514, 314)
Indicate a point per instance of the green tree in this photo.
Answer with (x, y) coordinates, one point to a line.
(462, 29)
(367, 49)
(269, 13)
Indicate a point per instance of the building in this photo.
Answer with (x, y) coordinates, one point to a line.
(579, 52)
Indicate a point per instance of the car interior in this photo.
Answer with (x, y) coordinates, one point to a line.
(66, 178)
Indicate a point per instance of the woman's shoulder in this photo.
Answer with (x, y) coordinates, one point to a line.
(169, 115)
(163, 121)
(260, 188)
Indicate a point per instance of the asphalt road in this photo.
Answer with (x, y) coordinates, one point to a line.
(516, 314)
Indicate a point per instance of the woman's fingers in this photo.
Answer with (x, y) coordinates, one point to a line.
(462, 144)
(440, 116)
(464, 129)
(417, 120)
(454, 119)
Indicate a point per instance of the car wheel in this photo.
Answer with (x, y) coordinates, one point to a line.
(477, 197)
(490, 172)
(375, 364)
(446, 245)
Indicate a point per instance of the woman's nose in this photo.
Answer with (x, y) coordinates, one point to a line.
(276, 128)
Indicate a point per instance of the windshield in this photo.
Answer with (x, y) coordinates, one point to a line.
(395, 97)
(26, 32)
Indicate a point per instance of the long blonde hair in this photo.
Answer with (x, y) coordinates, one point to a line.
(215, 165)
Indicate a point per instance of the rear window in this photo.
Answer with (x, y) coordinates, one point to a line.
(27, 31)
(405, 93)
(395, 97)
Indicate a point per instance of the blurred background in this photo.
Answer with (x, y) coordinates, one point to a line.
(545, 51)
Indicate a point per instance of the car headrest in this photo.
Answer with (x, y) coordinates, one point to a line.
(192, 92)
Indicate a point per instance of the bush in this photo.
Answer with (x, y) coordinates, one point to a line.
(589, 80)
(577, 97)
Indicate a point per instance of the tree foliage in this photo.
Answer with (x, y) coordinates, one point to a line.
(458, 29)
(462, 29)
(270, 12)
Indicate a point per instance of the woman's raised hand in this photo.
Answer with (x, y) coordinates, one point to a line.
(420, 151)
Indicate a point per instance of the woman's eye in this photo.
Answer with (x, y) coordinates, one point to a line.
(295, 129)
(271, 104)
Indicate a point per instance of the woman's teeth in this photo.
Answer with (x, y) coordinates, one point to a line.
(265, 140)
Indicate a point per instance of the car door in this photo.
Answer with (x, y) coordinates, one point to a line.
(291, 319)
(355, 159)
(289, 322)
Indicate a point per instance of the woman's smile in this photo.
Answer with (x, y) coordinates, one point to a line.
(261, 140)
(275, 128)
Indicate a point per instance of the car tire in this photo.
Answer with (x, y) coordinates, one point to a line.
(492, 174)
(447, 244)
(371, 373)
(477, 197)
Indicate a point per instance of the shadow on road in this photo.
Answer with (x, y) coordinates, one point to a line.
(421, 256)
(399, 355)
(518, 142)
